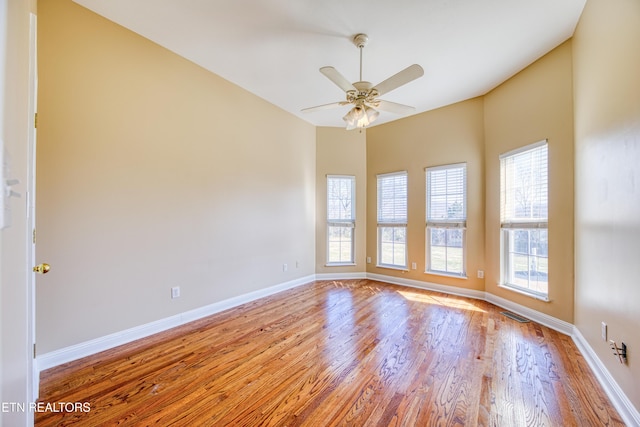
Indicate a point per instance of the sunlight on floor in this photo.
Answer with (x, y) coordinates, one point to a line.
(440, 300)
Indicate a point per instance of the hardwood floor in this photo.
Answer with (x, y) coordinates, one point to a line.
(352, 353)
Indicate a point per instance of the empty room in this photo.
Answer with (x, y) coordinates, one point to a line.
(320, 213)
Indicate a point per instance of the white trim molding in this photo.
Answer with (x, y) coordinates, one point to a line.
(544, 319)
(88, 348)
(538, 317)
(453, 290)
(620, 401)
(340, 276)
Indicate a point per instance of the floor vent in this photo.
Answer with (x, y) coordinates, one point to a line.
(515, 317)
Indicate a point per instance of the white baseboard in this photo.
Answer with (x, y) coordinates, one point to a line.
(544, 319)
(453, 290)
(340, 276)
(620, 401)
(88, 348)
(623, 405)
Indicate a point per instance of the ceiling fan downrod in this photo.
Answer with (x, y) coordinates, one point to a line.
(360, 40)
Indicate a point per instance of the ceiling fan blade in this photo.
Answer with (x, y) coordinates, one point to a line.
(324, 107)
(410, 73)
(335, 76)
(394, 107)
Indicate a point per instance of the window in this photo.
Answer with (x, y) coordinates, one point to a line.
(523, 219)
(341, 219)
(446, 219)
(392, 220)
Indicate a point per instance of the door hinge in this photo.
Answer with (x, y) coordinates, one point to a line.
(35, 120)
(34, 236)
(34, 350)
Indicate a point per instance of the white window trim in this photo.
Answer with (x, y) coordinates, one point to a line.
(380, 264)
(428, 270)
(396, 224)
(505, 226)
(505, 272)
(343, 223)
(521, 291)
(446, 224)
(352, 225)
(523, 149)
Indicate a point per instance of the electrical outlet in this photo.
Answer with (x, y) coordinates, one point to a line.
(480, 274)
(619, 352)
(285, 267)
(603, 331)
(368, 260)
(414, 265)
(175, 292)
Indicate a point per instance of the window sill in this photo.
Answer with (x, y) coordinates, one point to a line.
(521, 291)
(440, 273)
(340, 264)
(392, 267)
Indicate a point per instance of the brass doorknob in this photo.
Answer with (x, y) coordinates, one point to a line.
(42, 268)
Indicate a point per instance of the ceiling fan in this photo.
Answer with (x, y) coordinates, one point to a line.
(364, 96)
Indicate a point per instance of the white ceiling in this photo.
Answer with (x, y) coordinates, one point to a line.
(274, 48)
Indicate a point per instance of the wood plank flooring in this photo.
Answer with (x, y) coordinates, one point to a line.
(338, 353)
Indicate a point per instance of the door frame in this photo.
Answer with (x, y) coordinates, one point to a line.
(33, 374)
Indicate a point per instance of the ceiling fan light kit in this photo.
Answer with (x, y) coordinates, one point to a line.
(364, 96)
(360, 116)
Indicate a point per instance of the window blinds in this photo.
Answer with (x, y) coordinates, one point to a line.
(392, 199)
(340, 200)
(524, 196)
(446, 196)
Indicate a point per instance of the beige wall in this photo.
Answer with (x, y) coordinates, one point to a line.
(154, 173)
(607, 129)
(14, 265)
(452, 134)
(133, 140)
(340, 152)
(531, 106)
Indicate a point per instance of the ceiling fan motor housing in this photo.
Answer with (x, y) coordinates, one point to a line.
(364, 93)
(360, 40)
